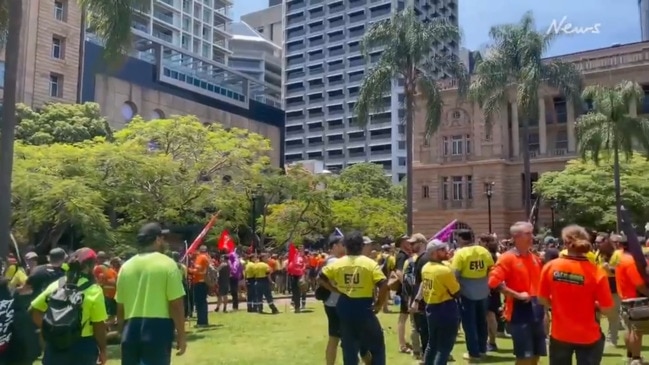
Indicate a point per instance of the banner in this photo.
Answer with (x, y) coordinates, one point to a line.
(635, 247)
(445, 233)
(201, 236)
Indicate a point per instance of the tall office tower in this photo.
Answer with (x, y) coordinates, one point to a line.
(259, 58)
(324, 70)
(643, 6)
(274, 2)
(267, 22)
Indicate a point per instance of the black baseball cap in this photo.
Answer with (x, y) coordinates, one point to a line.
(149, 232)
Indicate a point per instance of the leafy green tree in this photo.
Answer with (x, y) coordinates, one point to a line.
(408, 45)
(514, 71)
(303, 213)
(111, 21)
(61, 123)
(362, 179)
(375, 217)
(584, 192)
(100, 192)
(610, 127)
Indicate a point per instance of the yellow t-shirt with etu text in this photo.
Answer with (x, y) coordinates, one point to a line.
(354, 276)
(472, 262)
(438, 283)
(261, 270)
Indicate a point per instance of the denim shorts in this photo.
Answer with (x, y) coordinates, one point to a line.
(528, 339)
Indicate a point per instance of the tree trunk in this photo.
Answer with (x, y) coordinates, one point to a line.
(618, 188)
(527, 174)
(410, 181)
(8, 127)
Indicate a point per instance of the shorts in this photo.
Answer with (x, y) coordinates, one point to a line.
(639, 327)
(111, 306)
(494, 303)
(528, 339)
(144, 353)
(224, 289)
(333, 321)
(403, 306)
(313, 273)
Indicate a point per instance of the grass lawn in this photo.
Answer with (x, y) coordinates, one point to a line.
(297, 339)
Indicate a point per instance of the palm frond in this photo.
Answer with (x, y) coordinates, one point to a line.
(434, 104)
(566, 78)
(375, 87)
(593, 135)
(111, 21)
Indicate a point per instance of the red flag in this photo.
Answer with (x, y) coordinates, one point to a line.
(199, 239)
(226, 243)
(292, 252)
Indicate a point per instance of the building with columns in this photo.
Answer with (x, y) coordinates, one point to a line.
(453, 169)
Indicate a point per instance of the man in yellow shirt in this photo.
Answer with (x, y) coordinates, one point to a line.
(355, 277)
(62, 345)
(472, 263)
(264, 284)
(438, 290)
(250, 274)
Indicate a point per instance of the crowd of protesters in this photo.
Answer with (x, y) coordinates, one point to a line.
(65, 310)
(550, 293)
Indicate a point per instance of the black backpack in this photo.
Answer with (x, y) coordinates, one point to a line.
(409, 281)
(62, 321)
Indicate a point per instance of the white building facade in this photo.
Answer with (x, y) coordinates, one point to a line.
(324, 70)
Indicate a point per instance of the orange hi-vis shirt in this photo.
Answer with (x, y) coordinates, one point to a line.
(627, 277)
(313, 261)
(199, 270)
(572, 285)
(273, 265)
(106, 277)
(520, 273)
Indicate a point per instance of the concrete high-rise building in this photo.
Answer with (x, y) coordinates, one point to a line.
(177, 67)
(267, 22)
(274, 2)
(643, 7)
(259, 58)
(323, 73)
(465, 157)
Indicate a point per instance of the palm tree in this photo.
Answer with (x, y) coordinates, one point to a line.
(610, 126)
(408, 53)
(109, 20)
(514, 65)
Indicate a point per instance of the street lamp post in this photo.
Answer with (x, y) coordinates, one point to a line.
(489, 192)
(553, 208)
(256, 197)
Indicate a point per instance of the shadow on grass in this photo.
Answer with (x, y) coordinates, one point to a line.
(305, 311)
(114, 351)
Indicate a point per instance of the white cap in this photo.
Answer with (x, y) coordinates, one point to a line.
(435, 244)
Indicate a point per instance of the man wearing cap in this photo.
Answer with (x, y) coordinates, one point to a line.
(106, 277)
(472, 264)
(90, 349)
(199, 271)
(150, 306)
(405, 251)
(438, 290)
(43, 275)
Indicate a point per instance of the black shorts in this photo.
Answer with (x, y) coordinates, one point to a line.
(333, 321)
(495, 302)
(224, 289)
(111, 306)
(403, 306)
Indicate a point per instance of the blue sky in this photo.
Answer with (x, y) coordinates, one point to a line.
(618, 20)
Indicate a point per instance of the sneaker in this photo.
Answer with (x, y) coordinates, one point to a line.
(492, 347)
(470, 359)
